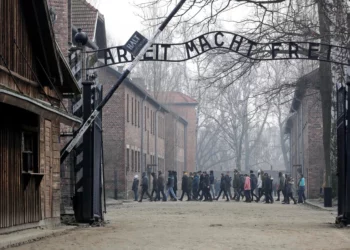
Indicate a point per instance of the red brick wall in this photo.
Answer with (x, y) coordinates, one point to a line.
(188, 112)
(312, 142)
(114, 137)
(62, 27)
(120, 134)
(315, 151)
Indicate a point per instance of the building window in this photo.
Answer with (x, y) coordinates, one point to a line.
(127, 159)
(136, 161)
(132, 110)
(145, 119)
(127, 107)
(132, 160)
(29, 161)
(139, 162)
(151, 123)
(135, 112)
(154, 123)
(138, 120)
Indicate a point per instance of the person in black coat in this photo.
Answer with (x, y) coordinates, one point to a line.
(267, 188)
(144, 185)
(195, 186)
(160, 183)
(135, 187)
(155, 187)
(253, 185)
(170, 186)
(223, 186)
(184, 187)
(175, 182)
(206, 188)
(241, 185)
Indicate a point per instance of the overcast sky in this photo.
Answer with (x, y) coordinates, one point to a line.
(120, 18)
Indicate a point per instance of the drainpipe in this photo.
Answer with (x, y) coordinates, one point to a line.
(156, 139)
(143, 168)
(185, 147)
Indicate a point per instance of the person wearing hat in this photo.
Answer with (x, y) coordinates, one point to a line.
(135, 186)
(184, 186)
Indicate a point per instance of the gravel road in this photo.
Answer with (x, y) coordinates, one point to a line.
(206, 225)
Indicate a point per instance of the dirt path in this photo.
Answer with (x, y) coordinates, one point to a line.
(216, 225)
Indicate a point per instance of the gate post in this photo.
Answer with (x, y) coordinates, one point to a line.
(341, 149)
(87, 213)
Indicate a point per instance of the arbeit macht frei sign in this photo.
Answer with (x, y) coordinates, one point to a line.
(229, 42)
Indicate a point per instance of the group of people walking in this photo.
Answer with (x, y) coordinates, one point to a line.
(201, 186)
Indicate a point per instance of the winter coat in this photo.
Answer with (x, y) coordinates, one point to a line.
(195, 183)
(190, 181)
(247, 185)
(222, 183)
(236, 180)
(184, 184)
(155, 182)
(206, 182)
(160, 182)
(170, 181)
(253, 181)
(259, 182)
(135, 184)
(267, 184)
(144, 182)
(241, 181)
(211, 179)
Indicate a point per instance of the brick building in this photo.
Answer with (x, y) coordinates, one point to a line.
(139, 135)
(184, 106)
(33, 80)
(304, 126)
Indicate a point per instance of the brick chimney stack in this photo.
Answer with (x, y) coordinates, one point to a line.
(62, 25)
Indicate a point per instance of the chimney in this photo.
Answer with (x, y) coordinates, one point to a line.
(140, 82)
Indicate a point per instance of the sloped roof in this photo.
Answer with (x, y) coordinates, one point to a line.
(143, 92)
(174, 97)
(85, 16)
